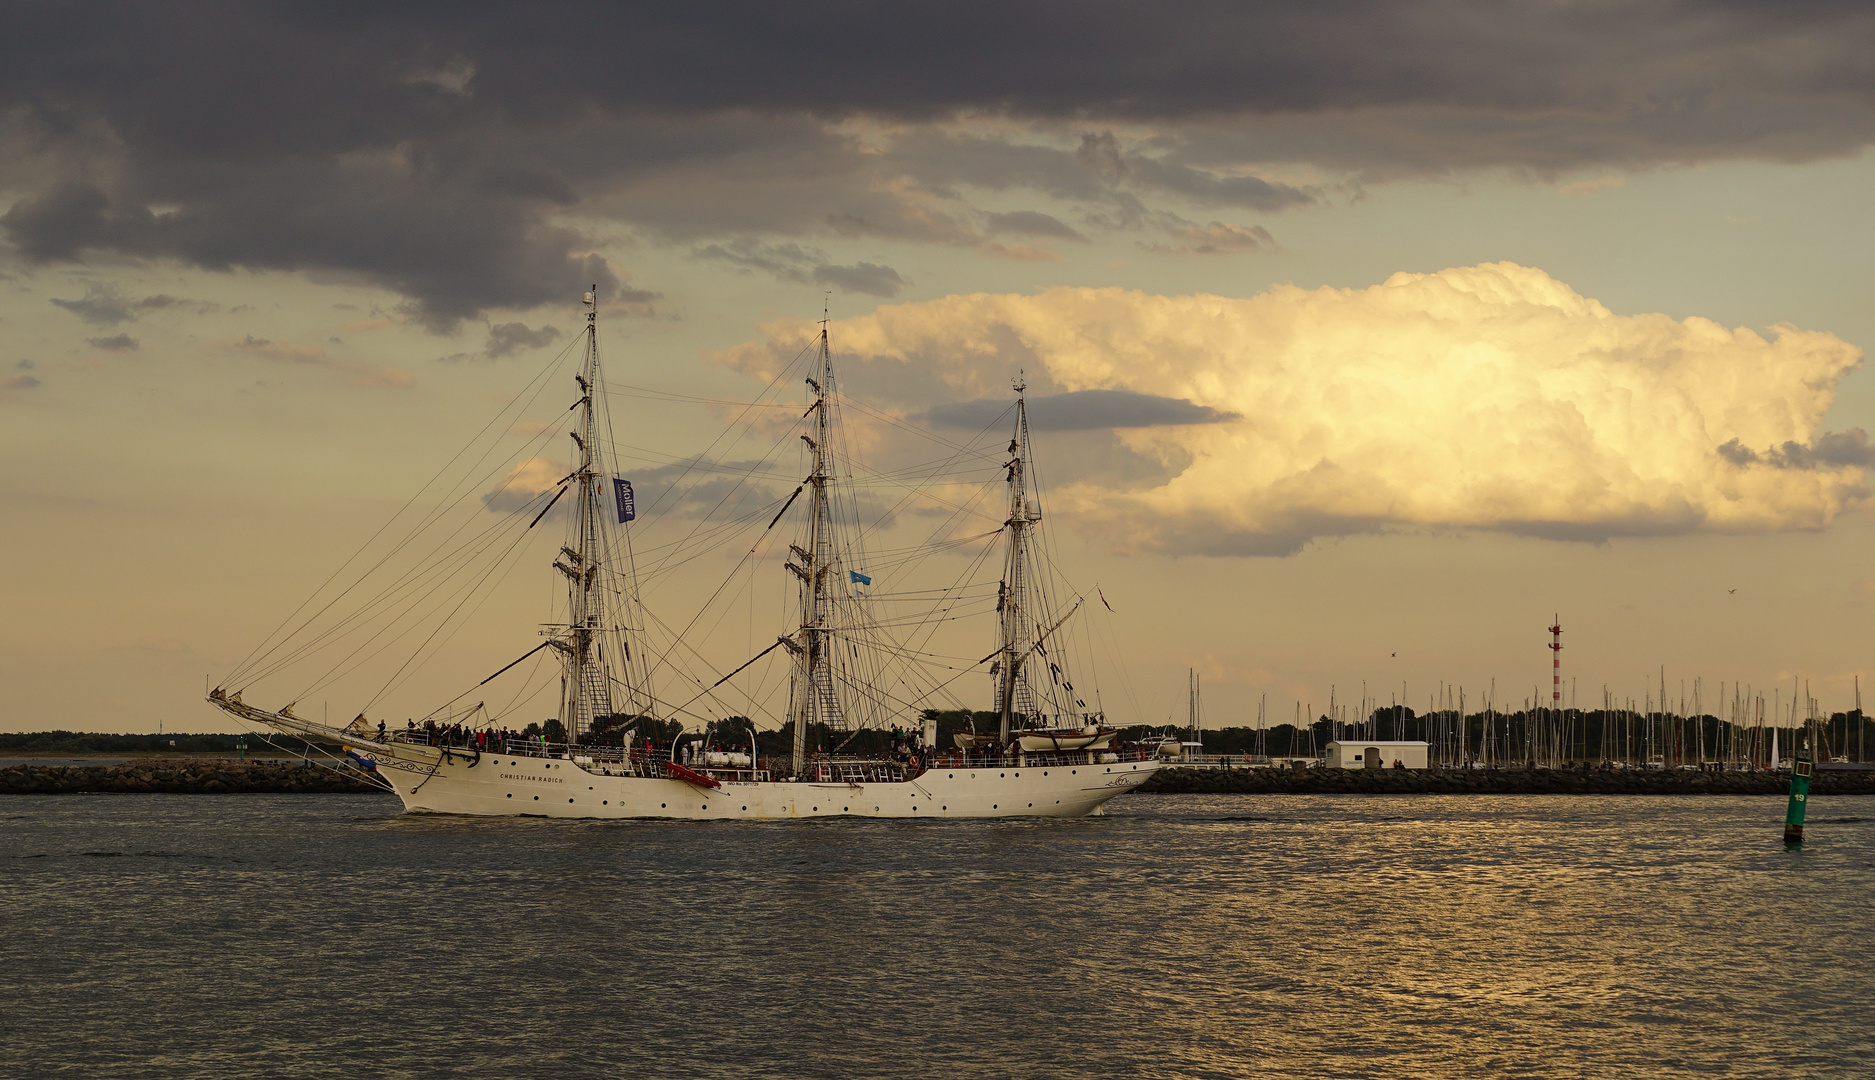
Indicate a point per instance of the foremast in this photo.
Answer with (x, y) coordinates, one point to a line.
(812, 698)
(1015, 622)
(585, 679)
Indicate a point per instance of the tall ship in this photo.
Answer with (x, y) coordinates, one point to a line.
(860, 732)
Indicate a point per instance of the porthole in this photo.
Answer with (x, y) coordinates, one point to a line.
(660, 806)
(510, 794)
(745, 808)
(1074, 772)
(1004, 776)
(992, 806)
(953, 776)
(843, 809)
(1031, 806)
(706, 806)
(604, 802)
(875, 809)
(569, 800)
(943, 808)
(536, 798)
(1044, 772)
(817, 809)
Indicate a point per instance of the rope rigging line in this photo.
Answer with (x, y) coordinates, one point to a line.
(538, 382)
(412, 578)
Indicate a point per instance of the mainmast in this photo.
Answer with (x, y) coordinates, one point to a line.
(813, 698)
(585, 688)
(1016, 625)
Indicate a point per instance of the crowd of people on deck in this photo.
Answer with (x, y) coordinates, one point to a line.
(907, 744)
(497, 740)
(482, 740)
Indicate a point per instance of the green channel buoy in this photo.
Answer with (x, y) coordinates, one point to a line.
(1799, 797)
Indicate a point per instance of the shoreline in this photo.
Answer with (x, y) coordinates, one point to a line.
(208, 775)
(1318, 781)
(216, 775)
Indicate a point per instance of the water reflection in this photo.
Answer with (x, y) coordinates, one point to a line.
(1180, 936)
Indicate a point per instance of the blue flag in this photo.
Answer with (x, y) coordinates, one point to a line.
(622, 490)
(858, 578)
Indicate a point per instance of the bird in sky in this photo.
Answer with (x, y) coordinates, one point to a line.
(1393, 654)
(1729, 592)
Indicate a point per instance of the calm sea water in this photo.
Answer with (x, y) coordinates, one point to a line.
(313, 936)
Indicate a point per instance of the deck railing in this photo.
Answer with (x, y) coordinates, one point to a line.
(824, 769)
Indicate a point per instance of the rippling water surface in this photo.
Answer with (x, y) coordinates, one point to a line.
(321, 935)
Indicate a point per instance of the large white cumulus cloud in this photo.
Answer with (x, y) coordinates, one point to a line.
(1487, 397)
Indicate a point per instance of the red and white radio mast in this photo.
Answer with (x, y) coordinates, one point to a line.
(1555, 644)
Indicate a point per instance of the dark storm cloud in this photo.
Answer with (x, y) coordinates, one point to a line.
(105, 305)
(430, 149)
(513, 337)
(1831, 450)
(1216, 238)
(794, 262)
(425, 66)
(115, 343)
(451, 249)
(1082, 410)
(1033, 223)
(869, 278)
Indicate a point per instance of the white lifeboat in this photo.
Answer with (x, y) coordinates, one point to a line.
(1041, 740)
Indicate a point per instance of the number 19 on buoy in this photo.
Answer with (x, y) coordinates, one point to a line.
(1799, 797)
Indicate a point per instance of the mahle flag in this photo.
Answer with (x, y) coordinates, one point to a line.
(622, 492)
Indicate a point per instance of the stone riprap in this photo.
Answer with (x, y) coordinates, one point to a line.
(1496, 782)
(179, 777)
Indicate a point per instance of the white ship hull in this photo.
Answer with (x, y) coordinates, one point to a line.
(430, 781)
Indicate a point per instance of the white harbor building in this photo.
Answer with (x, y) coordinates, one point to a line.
(1375, 754)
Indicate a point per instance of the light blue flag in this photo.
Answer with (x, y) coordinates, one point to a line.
(858, 578)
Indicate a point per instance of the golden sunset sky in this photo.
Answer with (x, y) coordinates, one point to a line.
(1413, 325)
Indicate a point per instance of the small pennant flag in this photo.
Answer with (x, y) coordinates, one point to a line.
(859, 578)
(1103, 599)
(622, 492)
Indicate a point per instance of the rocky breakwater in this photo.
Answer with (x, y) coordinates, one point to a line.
(1495, 782)
(179, 777)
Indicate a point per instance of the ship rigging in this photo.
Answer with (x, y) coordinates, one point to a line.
(850, 669)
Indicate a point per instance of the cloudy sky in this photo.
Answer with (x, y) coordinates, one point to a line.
(1364, 337)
